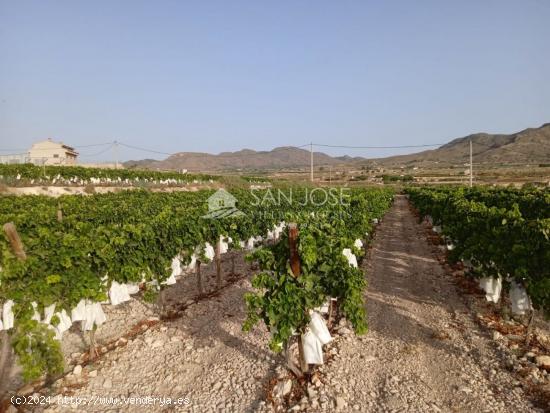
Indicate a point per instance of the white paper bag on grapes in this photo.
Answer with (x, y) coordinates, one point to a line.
(313, 350)
(492, 287)
(519, 298)
(79, 312)
(7, 315)
(319, 328)
(209, 252)
(352, 259)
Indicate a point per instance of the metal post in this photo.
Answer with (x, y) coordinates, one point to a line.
(311, 161)
(115, 150)
(471, 166)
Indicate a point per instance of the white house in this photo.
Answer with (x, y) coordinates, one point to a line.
(49, 152)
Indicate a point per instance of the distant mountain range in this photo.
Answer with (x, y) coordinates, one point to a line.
(528, 146)
(279, 158)
(531, 145)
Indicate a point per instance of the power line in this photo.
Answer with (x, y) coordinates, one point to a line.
(95, 144)
(427, 145)
(144, 149)
(377, 147)
(100, 152)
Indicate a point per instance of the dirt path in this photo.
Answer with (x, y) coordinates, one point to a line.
(423, 352)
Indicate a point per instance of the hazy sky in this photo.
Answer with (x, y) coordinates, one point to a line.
(220, 76)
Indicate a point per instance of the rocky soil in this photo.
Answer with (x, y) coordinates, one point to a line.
(425, 351)
(430, 348)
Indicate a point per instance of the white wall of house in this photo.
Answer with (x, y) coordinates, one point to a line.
(52, 153)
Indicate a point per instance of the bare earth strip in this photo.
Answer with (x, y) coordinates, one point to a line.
(423, 351)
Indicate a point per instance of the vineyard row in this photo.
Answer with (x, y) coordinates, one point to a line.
(76, 252)
(501, 234)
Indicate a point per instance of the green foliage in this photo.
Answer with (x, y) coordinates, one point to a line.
(132, 237)
(150, 295)
(397, 178)
(257, 179)
(283, 301)
(500, 230)
(284, 304)
(37, 350)
(80, 174)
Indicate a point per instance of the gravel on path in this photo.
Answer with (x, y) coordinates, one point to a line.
(424, 352)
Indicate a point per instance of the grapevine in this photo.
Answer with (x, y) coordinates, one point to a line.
(121, 240)
(501, 232)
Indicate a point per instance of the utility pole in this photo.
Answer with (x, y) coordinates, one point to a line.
(471, 166)
(330, 174)
(311, 161)
(115, 151)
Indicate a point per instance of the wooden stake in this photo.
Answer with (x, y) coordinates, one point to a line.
(232, 264)
(529, 328)
(218, 262)
(59, 213)
(162, 301)
(6, 364)
(289, 363)
(293, 245)
(295, 266)
(15, 241)
(330, 305)
(199, 277)
(93, 345)
(303, 365)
